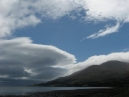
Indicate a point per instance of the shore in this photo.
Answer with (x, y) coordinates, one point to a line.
(75, 93)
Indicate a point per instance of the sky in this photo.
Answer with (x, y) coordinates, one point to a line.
(41, 40)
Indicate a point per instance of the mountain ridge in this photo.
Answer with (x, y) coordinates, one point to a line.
(95, 73)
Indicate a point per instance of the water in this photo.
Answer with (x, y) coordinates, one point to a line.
(24, 90)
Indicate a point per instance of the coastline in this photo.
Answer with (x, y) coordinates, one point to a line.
(114, 92)
(69, 93)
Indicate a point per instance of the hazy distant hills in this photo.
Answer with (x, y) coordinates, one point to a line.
(107, 74)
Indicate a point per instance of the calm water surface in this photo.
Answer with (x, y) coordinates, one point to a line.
(24, 90)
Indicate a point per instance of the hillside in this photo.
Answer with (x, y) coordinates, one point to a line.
(109, 73)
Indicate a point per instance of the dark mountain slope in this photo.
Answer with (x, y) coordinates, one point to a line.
(96, 73)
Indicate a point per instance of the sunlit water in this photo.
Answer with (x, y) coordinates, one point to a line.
(24, 90)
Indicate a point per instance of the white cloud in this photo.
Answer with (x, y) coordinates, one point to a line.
(16, 14)
(99, 59)
(105, 32)
(106, 10)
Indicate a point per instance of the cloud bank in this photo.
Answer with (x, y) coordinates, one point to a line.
(16, 14)
(21, 59)
(99, 59)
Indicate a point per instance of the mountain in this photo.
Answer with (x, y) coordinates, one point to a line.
(109, 73)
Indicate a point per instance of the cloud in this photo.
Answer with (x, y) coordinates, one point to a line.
(17, 82)
(16, 14)
(105, 10)
(13, 71)
(22, 61)
(20, 58)
(105, 32)
(99, 59)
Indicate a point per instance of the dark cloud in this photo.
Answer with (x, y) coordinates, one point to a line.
(45, 62)
(9, 62)
(17, 82)
(21, 59)
(46, 73)
(13, 71)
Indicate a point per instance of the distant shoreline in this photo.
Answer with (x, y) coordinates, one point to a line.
(112, 92)
(67, 93)
(24, 90)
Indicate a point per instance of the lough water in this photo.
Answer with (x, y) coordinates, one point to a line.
(24, 90)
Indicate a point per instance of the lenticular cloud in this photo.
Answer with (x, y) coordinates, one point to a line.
(15, 14)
